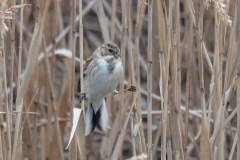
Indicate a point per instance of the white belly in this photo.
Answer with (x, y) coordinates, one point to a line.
(99, 82)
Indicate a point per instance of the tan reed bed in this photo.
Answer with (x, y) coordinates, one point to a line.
(183, 57)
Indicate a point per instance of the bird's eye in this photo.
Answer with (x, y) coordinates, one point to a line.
(110, 50)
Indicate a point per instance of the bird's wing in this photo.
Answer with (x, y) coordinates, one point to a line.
(85, 66)
(85, 70)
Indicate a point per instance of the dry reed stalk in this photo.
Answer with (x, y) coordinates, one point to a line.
(102, 20)
(132, 71)
(12, 35)
(113, 135)
(200, 58)
(133, 137)
(29, 133)
(43, 137)
(68, 28)
(80, 137)
(141, 16)
(122, 133)
(55, 140)
(159, 131)
(138, 80)
(219, 80)
(49, 127)
(162, 28)
(192, 12)
(141, 133)
(230, 117)
(149, 80)
(162, 44)
(227, 79)
(20, 49)
(30, 66)
(205, 151)
(4, 84)
(69, 31)
(238, 82)
(63, 99)
(205, 53)
(54, 32)
(9, 146)
(2, 146)
(53, 111)
(105, 140)
(174, 120)
(81, 52)
(72, 44)
(216, 71)
(165, 83)
(72, 150)
(169, 150)
(50, 104)
(73, 48)
(179, 77)
(218, 124)
(212, 89)
(233, 59)
(123, 49)
(233, 147)
(222, 138)
(58, 137)
(188, 85)
(113, 19)
(27, 113)
(60, 25)
(193, 18)
(130, 45)
(175, 111)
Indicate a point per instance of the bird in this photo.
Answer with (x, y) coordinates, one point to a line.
(101, 75)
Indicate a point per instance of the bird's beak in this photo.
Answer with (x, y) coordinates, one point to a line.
(117, 55)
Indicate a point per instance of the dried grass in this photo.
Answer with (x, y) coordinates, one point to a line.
(182, 56)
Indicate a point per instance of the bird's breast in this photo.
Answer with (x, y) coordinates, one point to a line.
(102, 79)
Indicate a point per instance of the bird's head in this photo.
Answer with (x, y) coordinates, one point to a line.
(110, 51)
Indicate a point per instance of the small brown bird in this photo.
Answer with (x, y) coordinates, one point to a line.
(102, 73)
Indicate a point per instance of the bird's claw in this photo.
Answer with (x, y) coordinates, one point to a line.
(115, 93)
(82, 97)
(132, 89)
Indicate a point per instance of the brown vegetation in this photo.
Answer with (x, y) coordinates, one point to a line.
(183, 57)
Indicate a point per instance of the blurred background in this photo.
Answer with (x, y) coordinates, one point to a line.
(180, 54)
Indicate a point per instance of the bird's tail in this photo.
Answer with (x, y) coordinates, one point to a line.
(99, 119)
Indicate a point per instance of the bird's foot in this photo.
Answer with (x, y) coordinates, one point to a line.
(115, 93)
(132, 89)
(82, 97)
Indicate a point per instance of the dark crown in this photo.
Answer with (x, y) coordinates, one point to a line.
(112, 47)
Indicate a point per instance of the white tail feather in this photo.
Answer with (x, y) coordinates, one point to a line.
(103, 121)
(88, 123)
